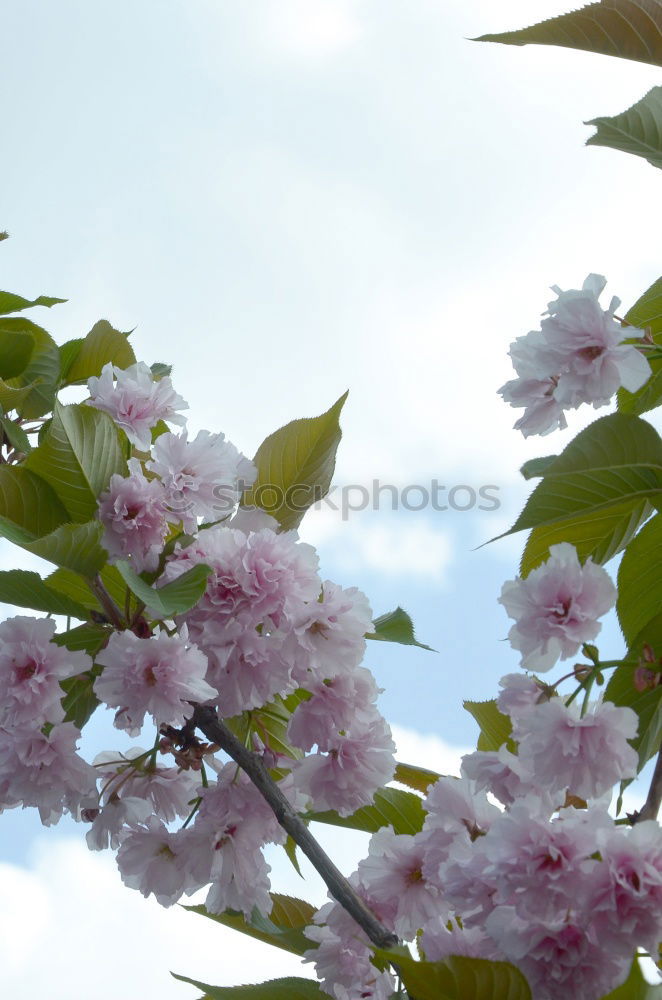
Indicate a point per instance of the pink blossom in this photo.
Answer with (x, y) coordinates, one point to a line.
(559, 748)
(578, 356)
(44, 770)
(455, 805)
(31, 668)
(136, 401)
(626, 894)
(349, 770)
(133, 514)
(497, 772)
(589, 342)
(330, 632)
(248, 671)
(519, 693)
(254, 576)
(561, 958)
(237, 822)
(239, 878)
(538, 866)
(392, 876)
(556, 607)
(469, 883)
(344, 967)
(168, 790)
(439, 943)
(154, 861)
(160, 675)
(112, 819)
(337, 703)
(202, 478)
(232, 806)
(535, 387)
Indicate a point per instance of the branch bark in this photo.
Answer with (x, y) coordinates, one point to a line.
(651, 806)
(206, 719)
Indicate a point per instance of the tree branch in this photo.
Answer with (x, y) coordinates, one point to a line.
(651, 806)
(206, 719)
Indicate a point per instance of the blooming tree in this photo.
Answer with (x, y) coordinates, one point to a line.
(183, 600)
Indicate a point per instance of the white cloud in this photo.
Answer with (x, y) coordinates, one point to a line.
(389, 545)
(428, 750)
(311, 28)
(71, 929)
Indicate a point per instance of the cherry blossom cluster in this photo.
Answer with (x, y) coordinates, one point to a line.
(578, 356)
(544, 879)
(518, 859)
(266, 628)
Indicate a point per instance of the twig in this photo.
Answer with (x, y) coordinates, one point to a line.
(107, 603)
(651, 806)
(206, 719)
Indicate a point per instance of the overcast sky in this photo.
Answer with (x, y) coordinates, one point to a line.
(287, 199)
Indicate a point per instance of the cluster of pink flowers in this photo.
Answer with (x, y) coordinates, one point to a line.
(578, 356)
(544, 879)
(39, 765)
(266, 627)
(561, 892)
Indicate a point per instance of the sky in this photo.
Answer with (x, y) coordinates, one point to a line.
(287, 199)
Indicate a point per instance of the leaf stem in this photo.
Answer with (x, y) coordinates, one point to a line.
(107, 603)
(206, 719)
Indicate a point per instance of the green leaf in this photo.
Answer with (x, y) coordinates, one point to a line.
(390, 807)
(103, 345)
(26, 589)
(10, 303)
(646, 313)
(271, 721)
(15, 435)
(42, 372)
(71, 583)
(599, 535)
(536, 467)
(291, 988)
(637, 130)
(290, 849)
(29, 508)
(461, 978)
(174, 598)
(74, 546)
(90, 638)
(630, 29)
(16, 346)
(159, 370)
(635, 987)
(639, 580)
(621, 690)
(295, 465)
(495, 727)
(11, 398)
(616, 459)
(68, 354)
(79, 701)
(418, 778)
(78, 455)
(283, 928)
(396, 626)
